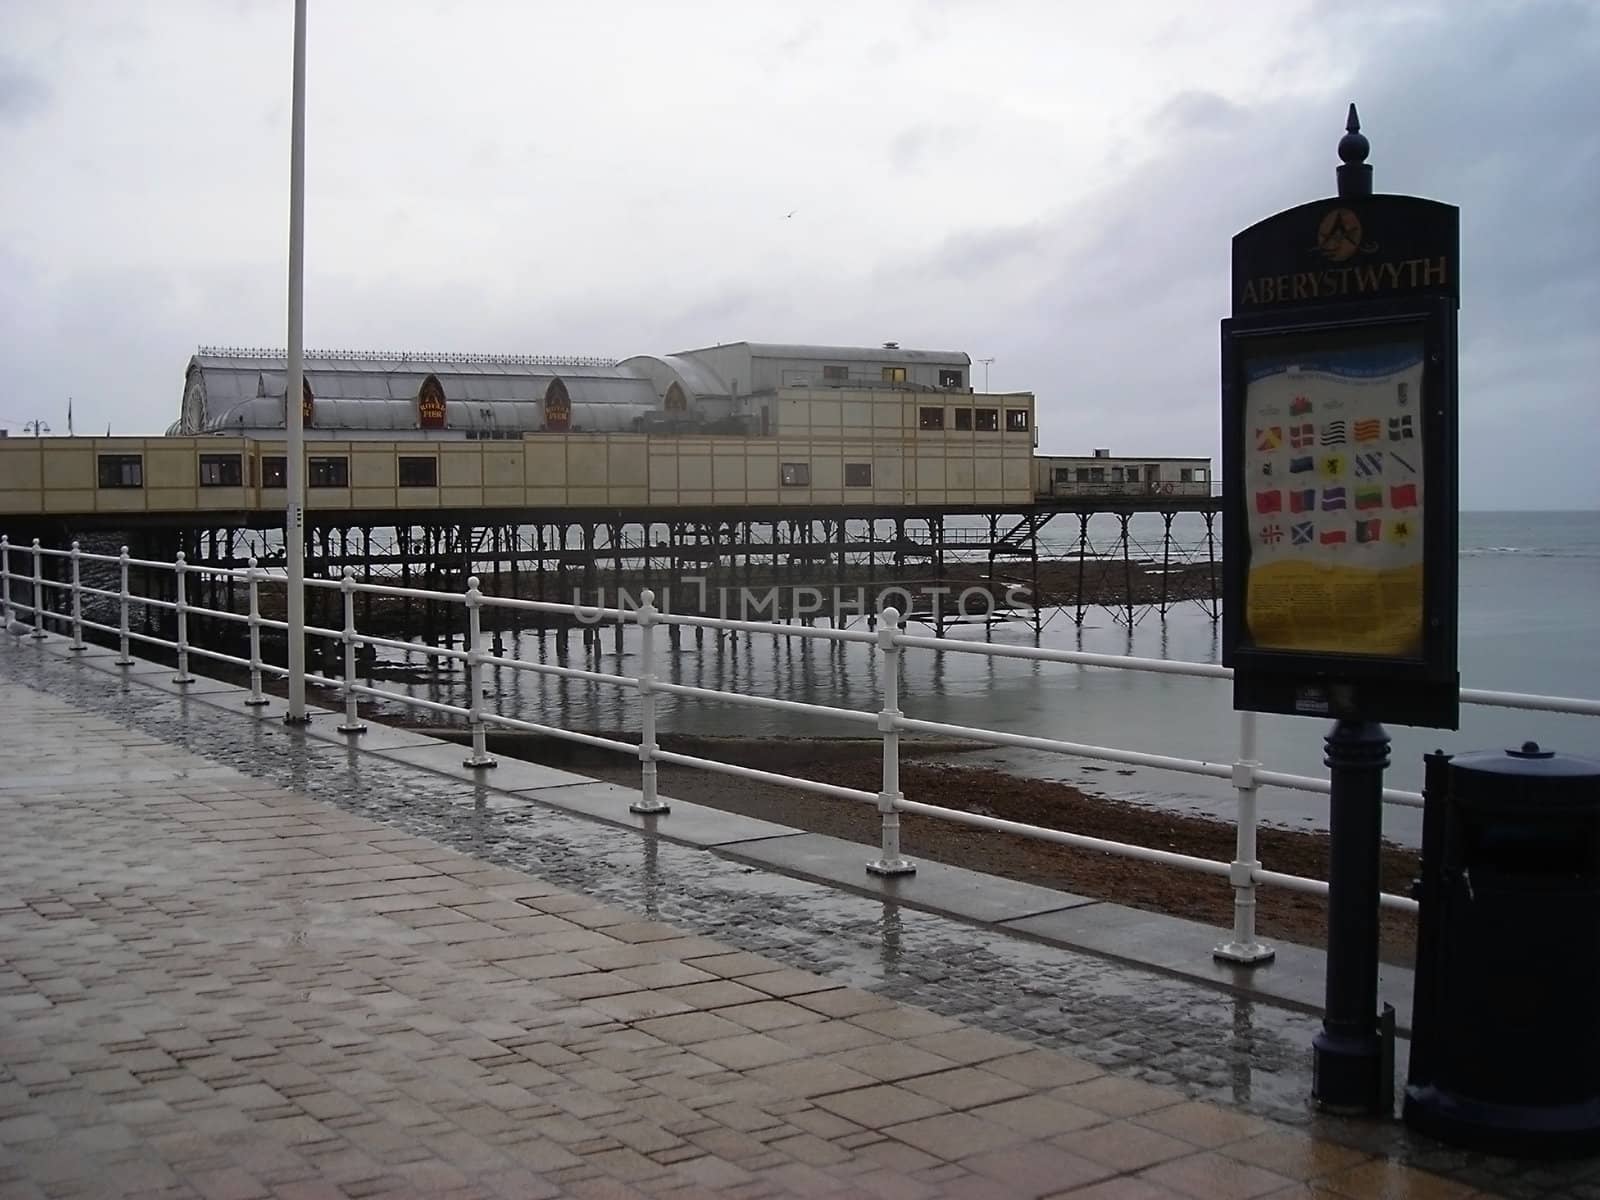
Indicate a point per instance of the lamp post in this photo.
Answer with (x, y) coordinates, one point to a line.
(986, 362)
(294, 523)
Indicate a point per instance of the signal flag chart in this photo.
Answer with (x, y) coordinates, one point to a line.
(1350, 578)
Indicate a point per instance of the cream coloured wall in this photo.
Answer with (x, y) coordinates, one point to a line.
(825, 437)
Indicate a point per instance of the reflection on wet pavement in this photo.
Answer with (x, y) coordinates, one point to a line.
(1206, 1043)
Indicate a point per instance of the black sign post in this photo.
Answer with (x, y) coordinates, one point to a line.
(1339, 467)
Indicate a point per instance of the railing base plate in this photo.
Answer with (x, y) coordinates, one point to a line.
(894, 866)
(258, 702)
(482, 765)
(1250, 954)
(357, 728)
(649, 810)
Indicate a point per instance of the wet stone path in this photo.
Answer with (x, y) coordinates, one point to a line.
(1126, 1028)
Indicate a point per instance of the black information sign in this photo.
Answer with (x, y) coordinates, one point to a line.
(1339, 459)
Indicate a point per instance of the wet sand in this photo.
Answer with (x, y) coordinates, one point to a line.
(932, 773)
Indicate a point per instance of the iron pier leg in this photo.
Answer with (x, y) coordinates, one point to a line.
(1127, 574)
(1083, 559)
(1211, 555)
(1166, 558)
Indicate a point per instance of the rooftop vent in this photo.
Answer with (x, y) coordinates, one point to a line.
(1102, 453)
(891, 345)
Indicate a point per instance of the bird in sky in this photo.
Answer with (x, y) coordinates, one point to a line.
(790, 213)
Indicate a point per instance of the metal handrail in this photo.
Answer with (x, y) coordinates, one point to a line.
(889, 640)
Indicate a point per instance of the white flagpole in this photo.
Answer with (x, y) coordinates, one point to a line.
(294, 528)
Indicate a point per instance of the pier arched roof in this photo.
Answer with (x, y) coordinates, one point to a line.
(240, 391)
(663, 370)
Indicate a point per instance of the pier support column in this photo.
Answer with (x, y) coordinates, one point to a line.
(1166, 557)
(1211, 558)
(1083, 559)
(1127, 573)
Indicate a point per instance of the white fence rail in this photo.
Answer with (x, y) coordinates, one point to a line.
(888, 640)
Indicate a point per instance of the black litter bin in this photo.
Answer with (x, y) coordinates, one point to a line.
(1505, 1050)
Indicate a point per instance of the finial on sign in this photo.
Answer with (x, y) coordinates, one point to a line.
(1355, 173)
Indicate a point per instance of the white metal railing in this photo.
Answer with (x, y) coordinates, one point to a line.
(888, 640)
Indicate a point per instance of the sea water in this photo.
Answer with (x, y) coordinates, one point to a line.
(1529, 602)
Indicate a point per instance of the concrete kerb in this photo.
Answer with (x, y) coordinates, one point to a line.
(1167, 945)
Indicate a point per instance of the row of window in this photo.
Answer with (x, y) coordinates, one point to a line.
(227, 470)
(333, 471)
(947, 378)
(981, 420)
(1152, 474)
(799, 474)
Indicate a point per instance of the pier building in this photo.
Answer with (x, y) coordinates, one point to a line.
(808, 462)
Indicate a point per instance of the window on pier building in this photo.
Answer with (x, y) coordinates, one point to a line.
(121, 471)
(930, 418)
(418, 470)
(1185, 475)
(963, 419)
(894, 374)
(950, 379)
(221, 470)
(857, 474)
(836, 374)
(1016, 420)
(988, 420)
(796, 475)
(332, 471)
(274, 471)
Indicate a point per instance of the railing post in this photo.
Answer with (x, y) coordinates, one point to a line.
(648, 801)
(1243, 948)
(123, 659)
(352, 719)
(38, 592)
(180, 567)
(480, 751)
(252, 581)
(77, 602)
(890, 861)
(5, 580)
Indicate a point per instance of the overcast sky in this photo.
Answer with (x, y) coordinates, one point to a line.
(1052, 185)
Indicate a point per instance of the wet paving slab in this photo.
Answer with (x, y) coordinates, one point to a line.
(1144, 1026)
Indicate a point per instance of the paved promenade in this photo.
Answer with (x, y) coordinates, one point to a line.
(212, 985)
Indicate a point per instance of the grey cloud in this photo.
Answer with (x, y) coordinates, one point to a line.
(22, 93)
(978, 253)
(724, 309)
(1197, 112)
(796, 42)
(1489, 109)
(927, 144)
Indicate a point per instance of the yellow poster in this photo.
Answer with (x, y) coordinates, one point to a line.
(1334, 479)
